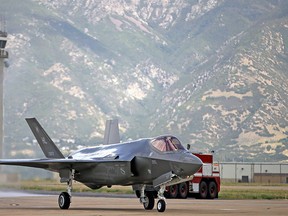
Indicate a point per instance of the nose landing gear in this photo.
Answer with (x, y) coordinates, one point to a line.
(147, 198)
(161, 204)
(64, 198)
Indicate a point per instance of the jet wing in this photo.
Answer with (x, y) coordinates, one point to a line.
(57, 164)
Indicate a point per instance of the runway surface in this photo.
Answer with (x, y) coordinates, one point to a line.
(31, 204)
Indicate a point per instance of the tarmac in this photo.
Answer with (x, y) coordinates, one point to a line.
(22, 203)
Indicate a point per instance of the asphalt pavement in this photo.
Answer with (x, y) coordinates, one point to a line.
(24, 203)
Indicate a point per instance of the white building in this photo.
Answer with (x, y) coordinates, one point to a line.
(254, 172)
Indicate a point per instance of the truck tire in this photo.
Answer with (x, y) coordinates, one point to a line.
(212, 190)
(173, 191)
(203, 190)
(183, 190)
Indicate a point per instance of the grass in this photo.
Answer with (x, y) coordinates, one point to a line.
(253, 191)
(53, 185)
(228, 190)
(253, 184)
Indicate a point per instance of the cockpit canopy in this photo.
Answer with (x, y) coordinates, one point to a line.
(167, 144)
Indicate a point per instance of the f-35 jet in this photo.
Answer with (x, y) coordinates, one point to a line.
(149, 164)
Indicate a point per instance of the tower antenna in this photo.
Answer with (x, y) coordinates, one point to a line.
(3, 57)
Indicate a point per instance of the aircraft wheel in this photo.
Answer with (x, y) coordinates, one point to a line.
(149, 201)
(161, 205)
(183, 190)
(203, 190)
(138, 194)
(64, 200)
(212, 190)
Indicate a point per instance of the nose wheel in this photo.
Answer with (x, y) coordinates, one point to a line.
(64, 198)
(161, 205)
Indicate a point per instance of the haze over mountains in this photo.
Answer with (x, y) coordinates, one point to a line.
(213, 73)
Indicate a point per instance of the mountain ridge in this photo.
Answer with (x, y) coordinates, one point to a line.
(211, 72)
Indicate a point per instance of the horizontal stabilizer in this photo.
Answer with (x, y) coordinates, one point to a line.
(47, 145)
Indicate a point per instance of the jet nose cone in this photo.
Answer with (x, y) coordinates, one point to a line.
(192, 163)
(198, 161)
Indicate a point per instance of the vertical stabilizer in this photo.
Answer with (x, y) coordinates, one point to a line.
(47, 145)
(111, 135)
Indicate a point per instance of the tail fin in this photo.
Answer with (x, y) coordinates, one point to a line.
(47, 145)
(111, 135)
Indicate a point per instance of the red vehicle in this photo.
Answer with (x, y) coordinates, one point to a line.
(204, 185)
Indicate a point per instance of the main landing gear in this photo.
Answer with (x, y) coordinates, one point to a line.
(147, 198)
(64, 198)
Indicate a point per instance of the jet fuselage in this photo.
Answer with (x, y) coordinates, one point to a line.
(135, 162)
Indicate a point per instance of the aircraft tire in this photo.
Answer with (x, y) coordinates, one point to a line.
(138, 194)
(150, 202)
(203, 190)
(212, 190)
(64, 200)
(183, 190)
(161, 205)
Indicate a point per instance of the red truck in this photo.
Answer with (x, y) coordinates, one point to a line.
(204, 185)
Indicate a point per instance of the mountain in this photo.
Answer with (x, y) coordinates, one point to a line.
(213, 73)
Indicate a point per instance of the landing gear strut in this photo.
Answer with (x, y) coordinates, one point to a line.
(64, 198)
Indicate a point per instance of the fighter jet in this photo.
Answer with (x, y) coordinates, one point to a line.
(149, 164)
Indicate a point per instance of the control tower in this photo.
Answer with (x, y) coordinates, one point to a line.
(3, 57)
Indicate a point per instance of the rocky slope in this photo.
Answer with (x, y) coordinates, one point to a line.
(214, 73)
